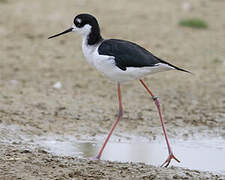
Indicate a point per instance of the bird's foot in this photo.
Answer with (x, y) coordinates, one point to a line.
(167, 162)
(95, 158)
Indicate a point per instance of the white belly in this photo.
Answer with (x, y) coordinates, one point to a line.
(132, 73)
(106, 65)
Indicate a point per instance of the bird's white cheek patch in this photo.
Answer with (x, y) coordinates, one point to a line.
(75, 29)
(86, 30)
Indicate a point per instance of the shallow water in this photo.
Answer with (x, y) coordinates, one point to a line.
(199, 154)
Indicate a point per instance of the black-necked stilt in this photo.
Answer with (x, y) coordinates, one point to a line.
(120, 61)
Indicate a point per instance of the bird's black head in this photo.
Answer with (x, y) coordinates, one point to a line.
(87, 26)
(82, 19)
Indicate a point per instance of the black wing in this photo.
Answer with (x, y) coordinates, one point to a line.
(128, 54)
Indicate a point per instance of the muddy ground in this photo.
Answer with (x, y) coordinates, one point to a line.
(86, 104)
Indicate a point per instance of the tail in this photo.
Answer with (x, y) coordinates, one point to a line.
(175, 67)
(180, 69)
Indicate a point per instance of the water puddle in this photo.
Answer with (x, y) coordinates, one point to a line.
(201, 153)
(204, 154)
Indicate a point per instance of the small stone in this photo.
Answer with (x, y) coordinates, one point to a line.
(26, 151)
(57, 85)
(42, 151)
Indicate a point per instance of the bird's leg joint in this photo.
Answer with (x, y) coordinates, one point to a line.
(154, 98)
(120, 112)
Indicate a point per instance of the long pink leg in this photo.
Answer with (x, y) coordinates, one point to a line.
(155, 98)
(114, 126)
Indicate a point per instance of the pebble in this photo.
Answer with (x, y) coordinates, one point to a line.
(57, 85)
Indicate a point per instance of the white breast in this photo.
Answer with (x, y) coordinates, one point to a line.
(100, 62)
(89, 52)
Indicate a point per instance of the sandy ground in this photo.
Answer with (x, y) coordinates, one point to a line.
(86, 105)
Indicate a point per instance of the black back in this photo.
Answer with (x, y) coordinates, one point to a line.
(127, 54)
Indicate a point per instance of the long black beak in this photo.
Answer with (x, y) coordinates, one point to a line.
(64, 32)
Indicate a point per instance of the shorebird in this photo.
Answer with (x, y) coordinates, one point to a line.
(120, 61)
